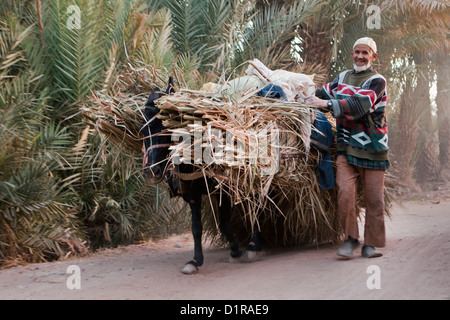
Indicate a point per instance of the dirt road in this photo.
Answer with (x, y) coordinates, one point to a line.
(415, 265)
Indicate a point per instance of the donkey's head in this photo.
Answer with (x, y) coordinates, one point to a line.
(156, 141)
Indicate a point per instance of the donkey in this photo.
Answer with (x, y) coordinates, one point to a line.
(156, 168)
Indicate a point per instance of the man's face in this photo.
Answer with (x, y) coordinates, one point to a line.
(362, 57)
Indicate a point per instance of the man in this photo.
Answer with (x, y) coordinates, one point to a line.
(357, 99)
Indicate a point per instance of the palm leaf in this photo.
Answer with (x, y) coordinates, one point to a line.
(269, 34)
(75, 56)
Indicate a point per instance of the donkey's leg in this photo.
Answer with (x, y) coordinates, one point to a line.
(224, 226)
(197, 230)
(253, 251)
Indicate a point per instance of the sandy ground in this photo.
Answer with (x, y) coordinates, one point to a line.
(415, 265)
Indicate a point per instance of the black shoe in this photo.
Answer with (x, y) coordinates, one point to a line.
(370, 252)
(347, 248)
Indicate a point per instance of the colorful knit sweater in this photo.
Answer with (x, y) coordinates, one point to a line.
(359, 102)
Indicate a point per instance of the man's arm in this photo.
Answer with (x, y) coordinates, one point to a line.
(317, 102)
(323, 95)
(361, 102)
(356, 106)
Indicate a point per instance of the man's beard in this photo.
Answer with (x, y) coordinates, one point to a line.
(361, 68)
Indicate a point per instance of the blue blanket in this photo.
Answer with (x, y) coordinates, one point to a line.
(322, 141)
(322, 138)
(272, 91)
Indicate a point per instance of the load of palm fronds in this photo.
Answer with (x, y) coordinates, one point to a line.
(258, 150)
(255, 147)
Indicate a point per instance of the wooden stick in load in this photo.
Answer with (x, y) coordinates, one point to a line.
(259, 71)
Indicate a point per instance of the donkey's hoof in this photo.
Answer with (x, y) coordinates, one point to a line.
(189, 268)
(235, 256)
(234, 259)
(252, 256)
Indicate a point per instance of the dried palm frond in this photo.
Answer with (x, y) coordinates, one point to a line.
(118, 114)
(224, 136)
(118, 118)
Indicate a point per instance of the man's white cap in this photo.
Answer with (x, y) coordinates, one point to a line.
(367, 42)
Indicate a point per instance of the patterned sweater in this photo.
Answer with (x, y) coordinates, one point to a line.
(359, 102)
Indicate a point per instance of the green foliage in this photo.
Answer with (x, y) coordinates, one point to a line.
(35, 222)
(60, 190)
(220, 36)
(269, 33)
(116, 204)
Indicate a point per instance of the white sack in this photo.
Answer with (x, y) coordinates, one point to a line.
(296, 86)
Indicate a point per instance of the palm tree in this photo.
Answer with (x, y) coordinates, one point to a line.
(56, 191)
(218, 37)
(423, 36)
(443, 109)
(272, 29)
(36, 221)
(406, 27)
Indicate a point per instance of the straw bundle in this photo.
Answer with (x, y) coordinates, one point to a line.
(248, 121)
(118, 118)
(118, 113)
(258, 151)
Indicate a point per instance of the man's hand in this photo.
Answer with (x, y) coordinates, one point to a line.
(316, 102)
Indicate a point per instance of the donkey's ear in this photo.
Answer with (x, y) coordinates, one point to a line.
(156, 94)
(150, 111)
(171, 86)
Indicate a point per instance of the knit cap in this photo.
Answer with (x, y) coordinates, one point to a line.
(368, 42)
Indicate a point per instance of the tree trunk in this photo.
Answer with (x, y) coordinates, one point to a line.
(443, 105)
(316, 51)
(406, 136)
(427, 165)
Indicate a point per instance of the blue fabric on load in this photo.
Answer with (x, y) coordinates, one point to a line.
(272, 91)
(322, 141)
